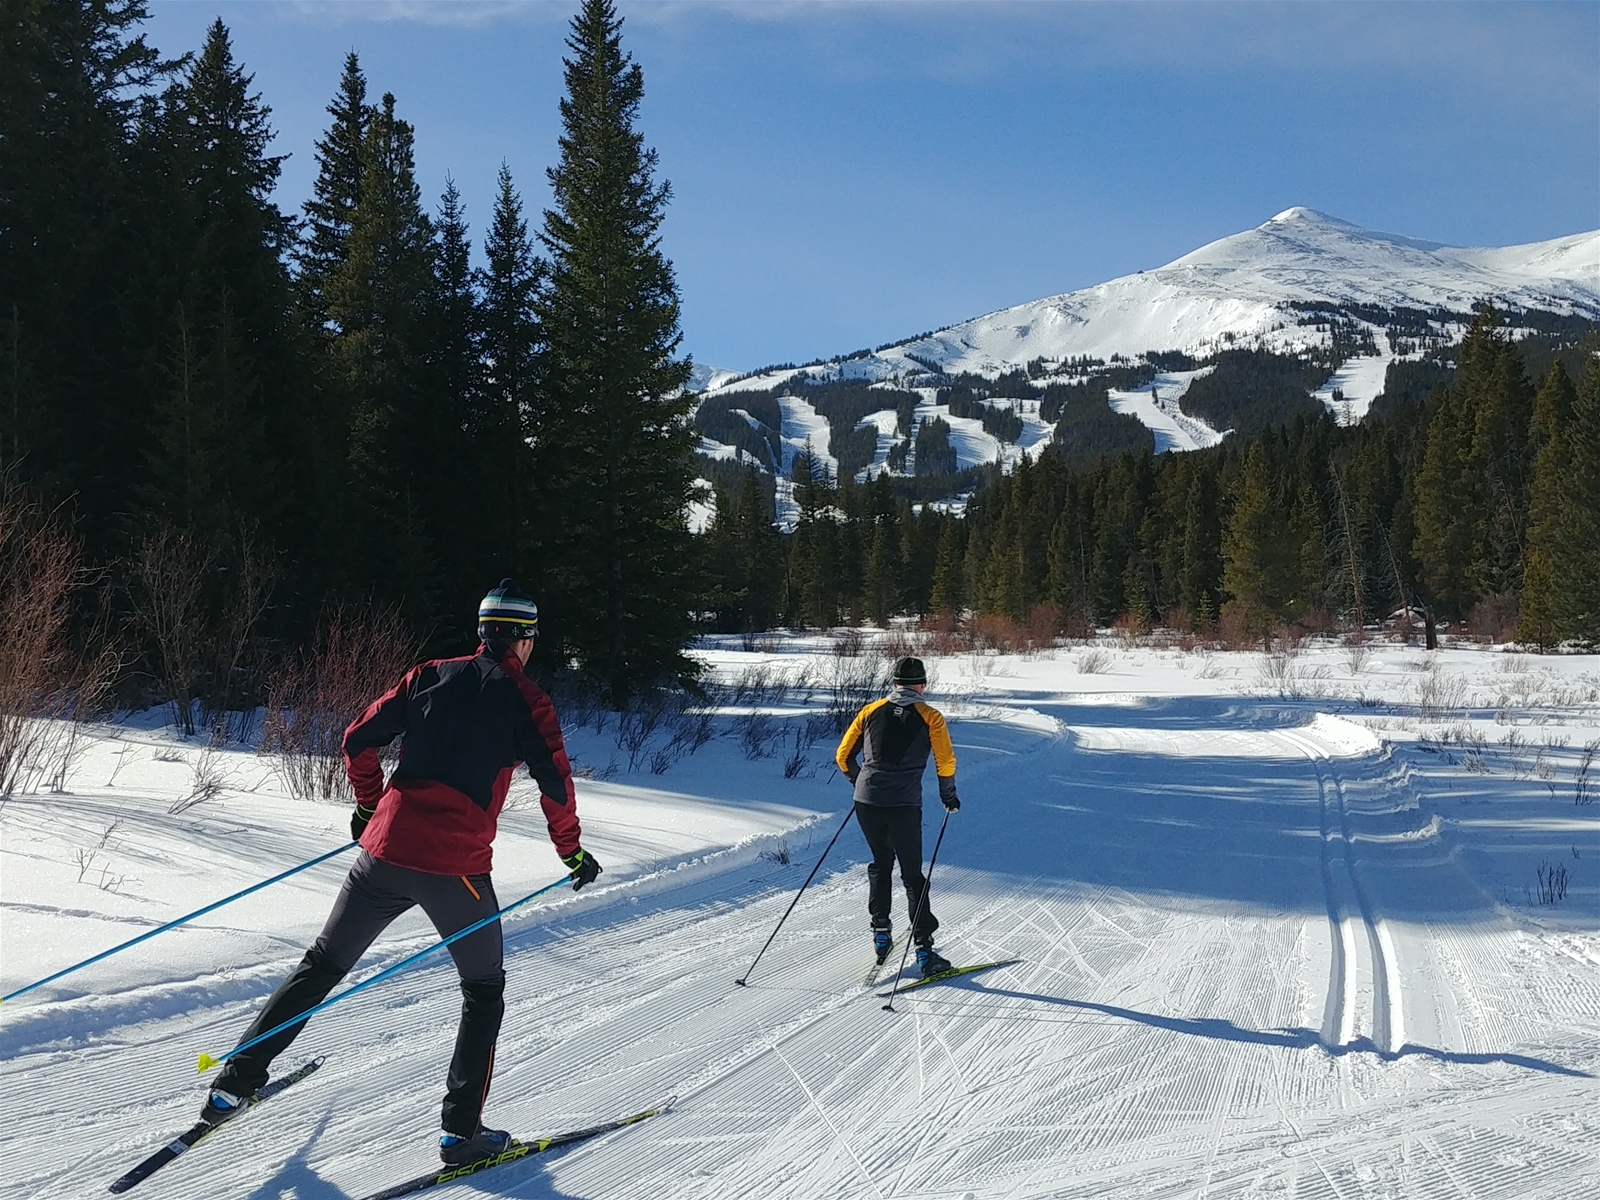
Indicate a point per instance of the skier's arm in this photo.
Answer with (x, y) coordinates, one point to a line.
(542, 747)
(382, 722)
(850, 744)
(944, 756)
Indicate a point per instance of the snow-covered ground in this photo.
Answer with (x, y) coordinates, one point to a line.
(1157, 407)
(1279, 922)
(1358, 381)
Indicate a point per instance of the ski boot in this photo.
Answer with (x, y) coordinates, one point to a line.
(929, 961)
(458, 1151)
(882, 943)
(222, 1106)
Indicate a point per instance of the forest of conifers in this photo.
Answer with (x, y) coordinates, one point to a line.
(233, 421)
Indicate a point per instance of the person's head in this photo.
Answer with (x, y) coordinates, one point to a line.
(508, 620)
(909, 673)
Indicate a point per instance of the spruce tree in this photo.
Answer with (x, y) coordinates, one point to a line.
(1444, 510)
(226, 371)
(336, 192)
(377, 300)
(1540, 614)
(1259, 562)
(1575, 551)
(510, 343)
(611, 435)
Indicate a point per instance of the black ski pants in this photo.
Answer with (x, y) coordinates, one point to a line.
(895, 832)
(374, 894)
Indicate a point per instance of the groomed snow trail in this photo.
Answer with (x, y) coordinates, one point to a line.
(1253, 967)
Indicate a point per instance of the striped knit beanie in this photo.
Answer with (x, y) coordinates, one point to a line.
(507, 614)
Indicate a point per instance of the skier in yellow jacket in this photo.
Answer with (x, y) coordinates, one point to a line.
(894, 737)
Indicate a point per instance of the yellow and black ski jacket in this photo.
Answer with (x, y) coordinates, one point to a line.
(894, 737)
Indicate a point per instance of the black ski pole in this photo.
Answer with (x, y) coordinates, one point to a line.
(922, 903)
(741, 981)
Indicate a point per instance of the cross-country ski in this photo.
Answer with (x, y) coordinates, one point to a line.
(951, 973)
(203, 1129)
(516, 1152)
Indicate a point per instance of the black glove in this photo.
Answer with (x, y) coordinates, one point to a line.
(947, 794)
(359, 819)
(584, 867)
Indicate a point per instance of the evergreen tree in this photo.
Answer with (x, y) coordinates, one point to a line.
(1542, 601)
(949, 592)
(1444, 511)
(613, 441)
(78, 281)
(510, 343)
(377, 300)
(227, 369)
(336, 193)
(1259, 561)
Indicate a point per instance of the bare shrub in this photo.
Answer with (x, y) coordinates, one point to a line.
(1583, 786)
(1357, 654)
(900, 642)
(636, 725)
(997, 632)
(169, 573)
(849, 643)
(1439, 694)
(757, 735)
(250, 580)
(1552, 877)
(778, 854)
(207, 778)
(359, 652)
(1093, 662)
(46, 688)
(854, 682)
(1494, 619)
(797, 762)
(1043, 624)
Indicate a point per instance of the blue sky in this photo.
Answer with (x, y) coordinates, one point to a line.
(850, 174)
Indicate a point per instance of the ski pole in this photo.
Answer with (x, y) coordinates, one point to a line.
(207, 1062)
(922, 903)
(741, 981)
(199, 912)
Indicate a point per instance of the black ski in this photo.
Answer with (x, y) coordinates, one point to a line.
(517, 1152)
(952, 973)
(204, 1129)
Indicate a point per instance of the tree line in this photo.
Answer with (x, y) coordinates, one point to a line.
(337, 404)
(1479, 501)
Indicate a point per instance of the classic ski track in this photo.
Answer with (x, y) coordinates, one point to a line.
(1387, 1030)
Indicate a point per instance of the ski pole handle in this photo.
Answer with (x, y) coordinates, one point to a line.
(922, 903)
(207, 1062)
(199, 912)
(741, 981)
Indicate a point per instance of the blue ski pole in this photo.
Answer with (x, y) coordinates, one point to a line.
(199, 912)
(207, 1062)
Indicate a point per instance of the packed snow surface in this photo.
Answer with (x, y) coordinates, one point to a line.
(1279, 922)
(1157, 406)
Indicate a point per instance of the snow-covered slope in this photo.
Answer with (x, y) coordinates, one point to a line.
(1243, 286)
(1271, 947)
(1240, 290)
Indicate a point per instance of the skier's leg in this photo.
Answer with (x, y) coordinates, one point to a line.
(906, 832)
(453, 902)
(367, 903)
(880, 871)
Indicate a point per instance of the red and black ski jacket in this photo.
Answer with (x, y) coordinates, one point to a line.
(467, 723)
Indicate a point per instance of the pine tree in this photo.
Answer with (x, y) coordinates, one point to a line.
(1259, 562)
(78, 209)
(228, 369)
(1444, 510)
(336, 193)
(612, 440)
(949, 592)
(377, 300)
(1542, 601)
(510, 343)
(1573, 550)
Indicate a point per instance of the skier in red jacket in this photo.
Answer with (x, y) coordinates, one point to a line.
(426, 839)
